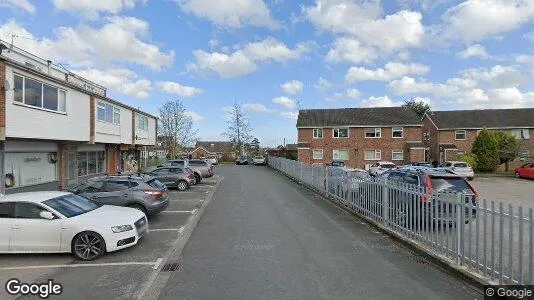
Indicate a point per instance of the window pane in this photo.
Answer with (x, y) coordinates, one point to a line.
(62, 101)
(397, 155)
(27, 211)
(92, 163)
(344, 154)
(50, 97)
(317, 154)
(116, 185)
(116, 116)
(5, 210)
(109, 113)
(369, 132)
(100, 162)
(343, 133)
(369, 154)
(336, 133)
(82, 163)
(18, 88)
(397, 131)
(33, 92)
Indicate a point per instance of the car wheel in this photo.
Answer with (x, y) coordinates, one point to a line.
(88, 245)
(181, 185)
(517, 175)
(198, 179)
(139, 207)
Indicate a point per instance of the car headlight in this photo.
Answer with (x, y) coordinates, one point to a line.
(122, 228)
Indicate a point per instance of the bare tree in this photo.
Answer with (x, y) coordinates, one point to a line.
(238, 129)
(176, 127)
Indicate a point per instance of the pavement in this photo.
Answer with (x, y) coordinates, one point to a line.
(263, 236)
(125, 274)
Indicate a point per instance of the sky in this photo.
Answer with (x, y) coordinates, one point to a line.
(275, 57)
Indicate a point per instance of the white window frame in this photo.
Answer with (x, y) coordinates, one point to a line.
(524, 133)
(143, 126)
(377, 155)
(317, 150)
(456, 132)
(521, 157)
(59, 95)
(316, 133)
(377, 132)
(393, 152)
(397, 129)
(338, 156)
(115, 113)
(338, 129)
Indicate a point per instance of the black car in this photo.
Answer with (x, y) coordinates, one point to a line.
(337, 163)
(241, 160)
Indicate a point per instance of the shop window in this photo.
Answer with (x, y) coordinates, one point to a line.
(29, 168)
(90, 163)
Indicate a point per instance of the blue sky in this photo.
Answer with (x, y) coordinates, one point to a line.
(276, 56)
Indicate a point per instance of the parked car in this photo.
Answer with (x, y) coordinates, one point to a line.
(259, 160)
(420, 164)
(337, 164)
(212, 159)
(141, 192)
(241, 160)
(342, 180)
(381, 167)
(459, 167)
(184, 163)
(176, 177)
(60, 222)
(204, 167)
(525, 171)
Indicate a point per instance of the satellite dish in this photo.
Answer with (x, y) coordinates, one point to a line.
(7, 85)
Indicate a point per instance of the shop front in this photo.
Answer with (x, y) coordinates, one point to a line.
(130, 158)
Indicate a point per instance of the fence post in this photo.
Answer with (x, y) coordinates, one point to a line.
(459, 227)
(385, 206)
(326, 180)
(301, 172)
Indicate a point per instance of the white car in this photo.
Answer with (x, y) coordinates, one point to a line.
(380, 167)
(212, 160)
(460, 168)
(56, 222)
(258, 160)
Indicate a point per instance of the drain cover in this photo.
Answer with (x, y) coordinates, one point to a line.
(170, 267)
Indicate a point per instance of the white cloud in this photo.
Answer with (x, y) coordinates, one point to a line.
(176, 88)
(323, 84)
(474, 20)
(285, 102)
(194, 116)
(475, 50)
(497, 76)
(256, 107)
(118, 40)
(383, 101)
(233, 14)
(364, 21)
(227, 66)
(353, 93)
(244, 60)
(122, 80)
(529, 36)
(391, 71)
(351, 50)
(292, 87)
(289, 115)
(19, 4)
(92, 8)
(526, 60)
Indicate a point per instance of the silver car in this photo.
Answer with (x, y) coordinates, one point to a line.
(176, 177)
(460, 168)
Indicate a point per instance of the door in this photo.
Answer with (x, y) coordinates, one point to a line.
(5, 224)
(30, 232)
(115, 192)
(72, 168)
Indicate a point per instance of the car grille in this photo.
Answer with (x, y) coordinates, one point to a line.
(139, 224)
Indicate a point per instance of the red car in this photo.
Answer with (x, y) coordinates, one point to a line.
(525, 171)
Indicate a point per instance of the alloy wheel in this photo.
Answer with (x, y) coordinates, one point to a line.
(88, 246)
(182, 186)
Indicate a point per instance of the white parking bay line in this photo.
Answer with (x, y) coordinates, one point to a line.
(164, 229)
(185, 200)
(157, 263)
(178, 211)
(83, 265)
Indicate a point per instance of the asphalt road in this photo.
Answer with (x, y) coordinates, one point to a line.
(264, 237)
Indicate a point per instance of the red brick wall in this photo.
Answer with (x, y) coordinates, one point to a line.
(2, 102)
(449, 136)
(356, 144)
(415, 155)
(429, 128)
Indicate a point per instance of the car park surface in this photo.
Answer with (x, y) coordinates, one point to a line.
(516, 191)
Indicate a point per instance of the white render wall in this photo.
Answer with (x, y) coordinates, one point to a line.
(28, 122)
(146, 137)
(111, 133)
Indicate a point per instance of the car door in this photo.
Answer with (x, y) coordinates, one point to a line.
(28, 231)
(529, 171)
(5, 225)
(90, 189)
(175, 174)
(115, 192)
(162, 175)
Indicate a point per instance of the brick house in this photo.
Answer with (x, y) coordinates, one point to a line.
(215, 148)
(359, 136)
(452, 133)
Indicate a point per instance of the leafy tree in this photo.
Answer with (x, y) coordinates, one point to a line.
(175, 127)
(238, 128)
(507, 146)
(255, 145)
(486, 151)
(418, 106)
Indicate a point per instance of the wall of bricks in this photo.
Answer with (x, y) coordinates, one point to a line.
(416, 155)
(429, 128)
(356, 144)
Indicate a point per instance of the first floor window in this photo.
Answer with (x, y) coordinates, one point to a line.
(90, 162)
(142, 123)
(317, 133)
(397, 155)
(108, 113)
(522, 155)
(372, 155)
(396, 132)
(318, 154)
(521, 134)
(340, 133)
(35, 93)
(340, 154)
(460, 134)
(373, 132)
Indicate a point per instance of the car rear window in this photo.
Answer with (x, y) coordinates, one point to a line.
(197, 162)
(155, 184)
(338, 164)
(455, 184)
(177, 163)
(387, 166)
(461, 165)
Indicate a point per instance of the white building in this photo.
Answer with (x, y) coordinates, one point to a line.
(57, 128)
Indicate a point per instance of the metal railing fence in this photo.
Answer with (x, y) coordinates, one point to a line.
(491, 238)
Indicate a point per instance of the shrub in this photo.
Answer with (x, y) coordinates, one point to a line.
(469, 158)
(486, 151)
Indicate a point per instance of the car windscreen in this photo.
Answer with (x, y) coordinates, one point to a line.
(155, 184)
(258, 157)
(454, 184)
(71, 205)
(461, 165)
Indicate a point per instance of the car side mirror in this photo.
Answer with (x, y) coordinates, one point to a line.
(46, 215)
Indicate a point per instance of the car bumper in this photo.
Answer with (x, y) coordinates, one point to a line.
(191, 181)
(466, 174)
(157, 206)
(123, 240)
